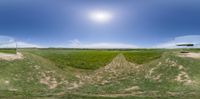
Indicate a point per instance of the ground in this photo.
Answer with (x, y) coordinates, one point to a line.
(191, 55)
(10, 56)
(101, 74)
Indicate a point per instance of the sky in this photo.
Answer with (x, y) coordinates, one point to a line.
(100, 23)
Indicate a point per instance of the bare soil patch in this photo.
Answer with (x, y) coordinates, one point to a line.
(190, 55)
(133, 88)
(10, 57)
(51, 82)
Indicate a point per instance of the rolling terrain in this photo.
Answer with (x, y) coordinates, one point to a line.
(101, 74)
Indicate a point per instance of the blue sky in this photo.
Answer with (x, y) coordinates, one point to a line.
(132, 23)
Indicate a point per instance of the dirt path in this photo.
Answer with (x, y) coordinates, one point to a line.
(119, 64)
(119, 67)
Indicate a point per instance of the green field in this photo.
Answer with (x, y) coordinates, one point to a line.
(193, 50)
(83, 59)
(11, 51)
(100, 74)
(141, 57)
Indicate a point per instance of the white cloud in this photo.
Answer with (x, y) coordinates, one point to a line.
(169, 44)
(9, 42)
(74, 43)
(187, 39)
(77, 44)
(19, 45)
(5, 39)
(25, 44)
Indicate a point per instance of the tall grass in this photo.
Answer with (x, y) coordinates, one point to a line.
(83, 59)
(9, 51)
(141, 57)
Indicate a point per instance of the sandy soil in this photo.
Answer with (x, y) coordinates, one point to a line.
(191, 55)
(10, 57)
(51, 82)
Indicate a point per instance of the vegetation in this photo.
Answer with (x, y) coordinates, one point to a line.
(194, 50)
(10, 51)
(141, 57)
(46, 73)
(83, 59)
(168, 74)
(24, 77)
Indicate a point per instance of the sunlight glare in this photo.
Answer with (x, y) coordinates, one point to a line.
(100, 16)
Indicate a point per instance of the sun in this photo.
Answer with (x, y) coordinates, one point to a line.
(100, 16)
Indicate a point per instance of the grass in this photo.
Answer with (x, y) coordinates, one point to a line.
(21, 78)
(9, 51)
(165, 83)
(194, 50)
(82, 59)
(141, 57)
(71, 96)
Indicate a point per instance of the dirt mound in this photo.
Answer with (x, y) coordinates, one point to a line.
(123, 78)
(118, 67)
(162, 71)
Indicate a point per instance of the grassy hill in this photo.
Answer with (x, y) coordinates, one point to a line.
(100, 74)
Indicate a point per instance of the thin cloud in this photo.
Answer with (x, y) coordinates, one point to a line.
(19, 45)
(25, 45)
(9, 42)
(77, 44)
